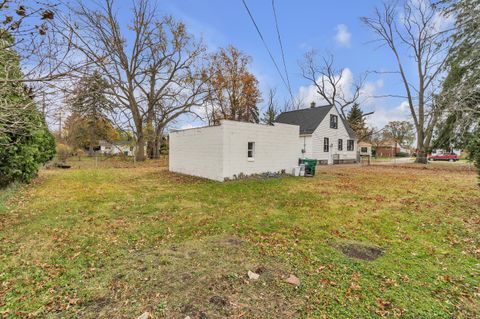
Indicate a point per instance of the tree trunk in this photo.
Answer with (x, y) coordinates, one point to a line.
(150, 137)
(92, 138)
(150, 148)
(157, 142)
(90, 149)
(140, 153)
(421, 151)
(156, 147)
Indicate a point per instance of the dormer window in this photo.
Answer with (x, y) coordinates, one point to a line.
(333, 121)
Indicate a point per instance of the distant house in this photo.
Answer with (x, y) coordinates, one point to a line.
(116, 148)
(234, 149)
(365, 148)
(386, 149)
(324, 135)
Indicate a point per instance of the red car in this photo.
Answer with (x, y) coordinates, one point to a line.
(451, 157)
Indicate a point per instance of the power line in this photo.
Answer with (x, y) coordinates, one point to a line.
(265, 44)
(281, 49)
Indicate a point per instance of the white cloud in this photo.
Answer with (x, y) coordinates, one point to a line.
(343, 37)
(308, 94)
(439, 23)
(383, 115)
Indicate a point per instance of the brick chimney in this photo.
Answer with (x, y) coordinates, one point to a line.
(312, 105)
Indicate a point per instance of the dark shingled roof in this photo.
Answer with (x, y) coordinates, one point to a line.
(308, 119)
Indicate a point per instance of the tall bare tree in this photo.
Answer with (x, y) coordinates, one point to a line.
(415, 29)
(328, 81)
(149, 65)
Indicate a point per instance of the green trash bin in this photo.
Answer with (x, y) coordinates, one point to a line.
(310, 165)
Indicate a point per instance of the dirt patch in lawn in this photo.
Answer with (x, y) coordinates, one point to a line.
(200, 279)
(359, 250)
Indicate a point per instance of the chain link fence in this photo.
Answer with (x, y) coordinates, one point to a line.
(99, 160)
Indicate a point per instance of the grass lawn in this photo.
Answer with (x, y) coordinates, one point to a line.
(118, 242)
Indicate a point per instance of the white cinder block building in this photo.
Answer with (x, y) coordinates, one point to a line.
(324, 135)
(233, 148)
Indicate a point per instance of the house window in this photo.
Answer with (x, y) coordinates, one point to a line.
(340, 145)
(251, 150)
(350, 145)
(326, 144)
(333, 121)
(364, 150)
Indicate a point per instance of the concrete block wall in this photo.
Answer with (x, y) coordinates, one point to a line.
(221, 152)
(197, 152)
(276, 148)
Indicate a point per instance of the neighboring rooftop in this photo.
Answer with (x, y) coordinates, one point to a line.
(309, 118)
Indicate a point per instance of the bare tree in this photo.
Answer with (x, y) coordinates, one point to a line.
(151, 78)
(415, 30)
(45, 55)
(328, 81)
(29, 25)
(272, 110)
(293, 104)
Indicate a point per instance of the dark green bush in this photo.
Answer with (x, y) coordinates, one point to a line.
(402, 154)
(23, 152)
(25, 142)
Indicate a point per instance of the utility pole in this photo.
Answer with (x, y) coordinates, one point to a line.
(44, 107)
(60, 115)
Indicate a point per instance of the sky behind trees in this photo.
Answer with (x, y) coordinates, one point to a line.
(329, 27)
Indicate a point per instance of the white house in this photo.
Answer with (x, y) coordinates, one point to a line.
(116, 148)
(232, 149)
(324, 135)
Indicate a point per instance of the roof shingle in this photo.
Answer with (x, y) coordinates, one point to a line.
(308, 119)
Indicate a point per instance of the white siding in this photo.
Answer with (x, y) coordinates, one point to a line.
(305, 144)
(323, 130)
(197, 152)
(220, 152)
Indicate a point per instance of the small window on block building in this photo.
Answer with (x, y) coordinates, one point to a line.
(251, 151)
